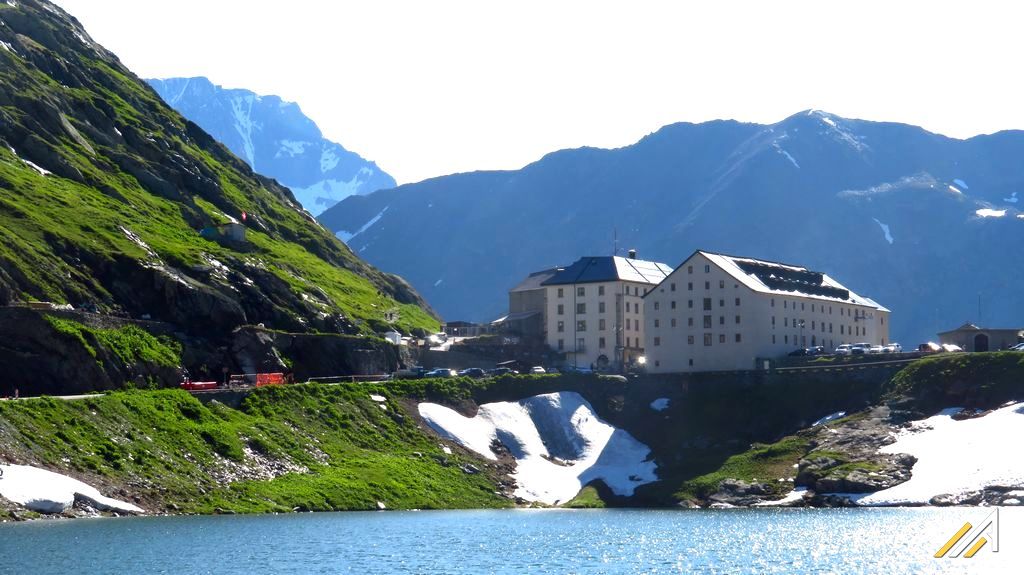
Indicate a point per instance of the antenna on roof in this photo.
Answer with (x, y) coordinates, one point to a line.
(615, 241)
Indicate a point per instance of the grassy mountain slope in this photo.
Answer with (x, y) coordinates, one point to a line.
(104, 188)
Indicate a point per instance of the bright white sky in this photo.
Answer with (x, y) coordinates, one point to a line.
(431, 88)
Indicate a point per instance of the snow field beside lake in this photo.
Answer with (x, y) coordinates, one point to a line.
(558, 442)
(956, 456)
(48, 492)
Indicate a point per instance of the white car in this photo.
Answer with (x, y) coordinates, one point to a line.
(860, 348)
(1018, 347)
(844, 349)
(537, 369)
(876, 349)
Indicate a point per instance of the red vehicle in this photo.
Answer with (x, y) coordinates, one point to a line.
(190, 385)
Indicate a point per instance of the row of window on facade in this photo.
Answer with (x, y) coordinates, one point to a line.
(581, 308)
(708, 338)
(854, 313)
(581, 291)
(601, 343)
(581, 325)
(843, 329)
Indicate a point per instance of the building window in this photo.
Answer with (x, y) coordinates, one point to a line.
(657, 341)
(673, 322)
(672, 286)
(882, 318)
(773, 321)
(721, 338)
(737, 302)
(581, 325)
(561, 326)
(581, 308)
(600, 307)
(721, 320)
(785, 304)
(689, 339)
(673, 304)
(842, 329)
(812, 325)
(657, 323)
(707, 339)
(738, 339)
(721, 303)
(691, 363)
(812, 308)
(689, 304)
(773, 339)
(830, 328)
(561, 292)
(600, 324)
(785, 339)
(581, 344)
(721, 284)
(690, 270)
(689, 286)
(561, 344)
(657, 305)
(773, 302)
(707, 269)
(785, 321)
(707, 322)
(581, 291)
(600, 342)
(689, 321)
(707, 285)
(737, 320)
(801, 306)
(657, 363)
(600, 290)
(707, 304)
(561, 309)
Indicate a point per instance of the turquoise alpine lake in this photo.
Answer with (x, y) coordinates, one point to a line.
(515, 541)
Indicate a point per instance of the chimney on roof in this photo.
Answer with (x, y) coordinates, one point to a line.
(632, 254)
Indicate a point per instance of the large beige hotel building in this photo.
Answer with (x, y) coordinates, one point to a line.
(717, 312)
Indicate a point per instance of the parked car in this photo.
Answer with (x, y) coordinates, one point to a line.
(414, 372)
(1018, 347)
(816, 350)
(951, 348)
(474, 372)
(929, 347)
(860, 348)
(876, 349)
(440, 372)
(892, 348)
(844, 349)
(798, 353)
(537, 369)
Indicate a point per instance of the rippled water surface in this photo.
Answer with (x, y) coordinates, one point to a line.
(553, 541)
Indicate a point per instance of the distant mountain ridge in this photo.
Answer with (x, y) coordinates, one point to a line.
(276, 139)
(920, 222)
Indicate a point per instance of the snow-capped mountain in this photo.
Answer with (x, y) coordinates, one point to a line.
(276, 139)
(922, 223)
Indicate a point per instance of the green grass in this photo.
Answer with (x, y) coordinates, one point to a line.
(130, 344)
(982, 380)
(60, 238)
(760, 464)
(588, 498)
(347, 452)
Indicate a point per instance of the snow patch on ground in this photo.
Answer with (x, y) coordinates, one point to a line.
(792, 497)
(7, 47)
(1012, 199)
(839, 131)
(990, 213)
(346, 236)
(241, 108)
(558, 442)
(828, 418)
(954, 190)
(660, 404)
(328, 159)
(789, 156)
(885, 230)
(956, 456)
(42, 171)
(292, 148)
(961, 183)
(48, 492)
(325, 193)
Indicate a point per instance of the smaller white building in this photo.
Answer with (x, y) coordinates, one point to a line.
(594, 309)
(723, 313)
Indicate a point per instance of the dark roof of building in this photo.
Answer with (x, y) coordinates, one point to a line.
(610, 268)
(535, 280)
(971, 327)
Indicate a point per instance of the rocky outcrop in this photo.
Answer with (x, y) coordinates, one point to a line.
(736, 493)
(257, 350)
